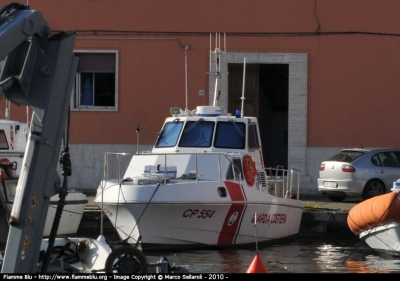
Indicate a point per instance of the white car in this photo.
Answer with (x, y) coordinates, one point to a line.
(359, 173)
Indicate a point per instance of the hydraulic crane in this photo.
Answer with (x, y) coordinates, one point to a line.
(38, 72)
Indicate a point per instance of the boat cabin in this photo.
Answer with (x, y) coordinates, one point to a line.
(13, 140)
(205, 130)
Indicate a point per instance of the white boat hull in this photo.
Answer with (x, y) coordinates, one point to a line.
(384, 239)
(179, 215)
(71, 216)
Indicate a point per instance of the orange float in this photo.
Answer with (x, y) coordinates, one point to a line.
(373, 212)
(249, 170)
(257, 266)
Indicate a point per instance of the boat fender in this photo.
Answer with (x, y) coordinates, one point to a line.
(249, 170)
(126, 259)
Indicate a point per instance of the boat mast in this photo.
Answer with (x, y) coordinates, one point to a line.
(218, 52)
(244, 79)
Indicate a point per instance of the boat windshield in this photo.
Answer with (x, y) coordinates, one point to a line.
(168, 137)
(197, 134)
(230, 135)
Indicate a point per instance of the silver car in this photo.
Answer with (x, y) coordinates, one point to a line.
(359, 173)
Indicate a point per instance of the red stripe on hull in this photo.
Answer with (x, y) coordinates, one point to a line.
(235, 191)
(231, 224)
(234, 216)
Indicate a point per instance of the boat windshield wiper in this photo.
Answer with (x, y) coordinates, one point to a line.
(237, 128)
(169, 134)
(193, 125)
(160, 134)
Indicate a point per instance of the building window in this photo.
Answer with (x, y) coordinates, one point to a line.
(96, 81)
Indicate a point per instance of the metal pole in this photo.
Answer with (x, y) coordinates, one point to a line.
(244, 79)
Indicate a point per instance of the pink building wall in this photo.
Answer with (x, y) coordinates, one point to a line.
(353, 78)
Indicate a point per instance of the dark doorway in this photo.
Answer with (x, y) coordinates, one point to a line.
(274, 113)
(267, 96)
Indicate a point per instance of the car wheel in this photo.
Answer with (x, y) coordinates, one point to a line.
(335, 198)
(373, 188)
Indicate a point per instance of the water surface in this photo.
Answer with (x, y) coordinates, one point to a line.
(303, 255)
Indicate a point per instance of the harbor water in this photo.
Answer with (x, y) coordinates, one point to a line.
(318, 254)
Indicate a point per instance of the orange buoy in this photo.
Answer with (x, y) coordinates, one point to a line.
(257, 266)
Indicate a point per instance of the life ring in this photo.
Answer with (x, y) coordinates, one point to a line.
(4, 176)
(249, 170)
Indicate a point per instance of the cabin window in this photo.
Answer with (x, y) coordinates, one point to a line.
(96, 81)
(230, 135)
(3, 140)
(234, 170)
(197, 134)
(169, 135)
(253, 137)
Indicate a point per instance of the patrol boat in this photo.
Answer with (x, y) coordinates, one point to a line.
(203, 184)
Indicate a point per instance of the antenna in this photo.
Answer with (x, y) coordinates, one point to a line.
(358, 141)
(217, 67)
(137, 136)
(218, 52)
(187, 47)
(8, 110)
(244, 79)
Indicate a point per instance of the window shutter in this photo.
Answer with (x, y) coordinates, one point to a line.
(96, 62)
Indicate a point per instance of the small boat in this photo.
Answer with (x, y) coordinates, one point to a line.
(377, 221)
(13, 136)
(200, 185)
(86, 255)
(71, 217)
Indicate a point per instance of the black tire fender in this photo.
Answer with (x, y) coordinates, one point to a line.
(126, 259)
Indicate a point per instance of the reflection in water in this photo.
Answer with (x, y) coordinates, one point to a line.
(362, 267)
(295, 257)
(230, 261)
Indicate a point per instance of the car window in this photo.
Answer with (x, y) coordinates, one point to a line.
(389, 159)
(346, 156)
(376, 161)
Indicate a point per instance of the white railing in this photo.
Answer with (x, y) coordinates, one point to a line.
(280, 182)
(197, 166)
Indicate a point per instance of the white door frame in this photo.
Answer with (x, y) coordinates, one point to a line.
(298, 67)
